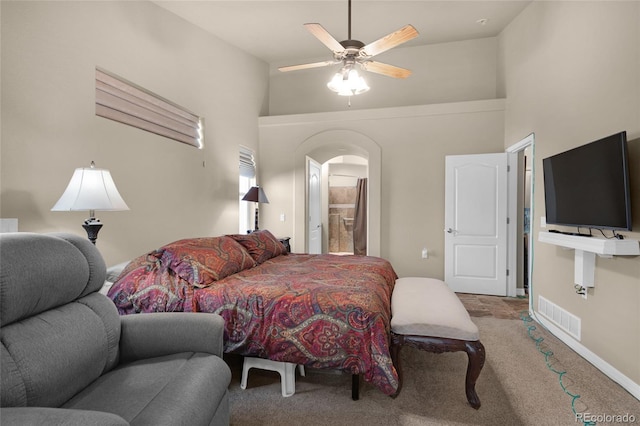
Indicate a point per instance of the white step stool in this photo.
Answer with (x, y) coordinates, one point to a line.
(287, 372)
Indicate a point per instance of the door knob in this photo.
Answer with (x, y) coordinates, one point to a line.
(449, 230)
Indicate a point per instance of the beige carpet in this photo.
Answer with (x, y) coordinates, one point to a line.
(516, 388)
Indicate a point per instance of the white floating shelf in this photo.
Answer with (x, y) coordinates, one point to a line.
(613, 247)
(586, 248)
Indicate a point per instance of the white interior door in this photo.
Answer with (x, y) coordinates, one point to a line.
(314, 191)
(476, 223)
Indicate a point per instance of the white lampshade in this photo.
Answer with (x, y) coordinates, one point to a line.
(90, 189)
(348, 83)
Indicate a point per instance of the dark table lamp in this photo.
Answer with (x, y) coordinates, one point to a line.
(257, 195)
(91, 189)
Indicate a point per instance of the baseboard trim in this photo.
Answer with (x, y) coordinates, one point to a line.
(520, 292)
(610, 371)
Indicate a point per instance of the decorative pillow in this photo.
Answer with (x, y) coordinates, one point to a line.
(147, 285)
(147, 260)
(201, 261)
(261, 245)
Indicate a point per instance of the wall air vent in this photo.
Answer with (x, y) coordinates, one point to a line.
(560, 317)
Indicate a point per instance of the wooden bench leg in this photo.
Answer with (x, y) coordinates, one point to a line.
(474, 350)
(476, 355)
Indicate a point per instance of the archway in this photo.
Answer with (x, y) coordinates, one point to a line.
(321, 147)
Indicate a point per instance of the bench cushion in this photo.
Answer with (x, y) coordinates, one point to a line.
(427, 307)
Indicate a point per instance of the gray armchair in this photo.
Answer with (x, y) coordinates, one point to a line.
(68, 358)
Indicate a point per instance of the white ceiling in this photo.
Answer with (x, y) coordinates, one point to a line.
(274, 32)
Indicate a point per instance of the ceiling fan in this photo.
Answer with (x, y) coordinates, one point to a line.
(351, 52)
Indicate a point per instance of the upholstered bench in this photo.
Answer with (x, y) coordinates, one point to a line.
(287, 372)
(427, 315)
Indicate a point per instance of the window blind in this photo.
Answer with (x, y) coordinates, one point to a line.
(247, 164)
(120, 100)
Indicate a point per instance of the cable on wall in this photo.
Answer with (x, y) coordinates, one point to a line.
(548, 358)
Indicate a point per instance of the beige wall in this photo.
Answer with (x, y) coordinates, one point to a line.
(571, 73)
(413, 142)
(49, 127)
(446, 72)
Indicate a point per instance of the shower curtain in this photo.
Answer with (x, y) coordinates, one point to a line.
(360, 218)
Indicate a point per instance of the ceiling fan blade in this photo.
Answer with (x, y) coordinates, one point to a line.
(307, 66)
(385, 69)
(323, 35)
(385, 43)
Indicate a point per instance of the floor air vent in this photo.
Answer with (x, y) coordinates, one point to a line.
(560, 317)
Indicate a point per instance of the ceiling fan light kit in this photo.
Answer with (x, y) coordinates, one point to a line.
(350, 52)
(348, 82)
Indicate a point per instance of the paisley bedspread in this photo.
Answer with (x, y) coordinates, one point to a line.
(322, 311)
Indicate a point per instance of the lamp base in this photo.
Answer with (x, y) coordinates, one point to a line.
(92, 226)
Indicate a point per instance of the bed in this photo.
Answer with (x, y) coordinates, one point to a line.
(322, 311)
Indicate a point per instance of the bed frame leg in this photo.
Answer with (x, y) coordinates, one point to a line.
(396, 344)
(355, 387)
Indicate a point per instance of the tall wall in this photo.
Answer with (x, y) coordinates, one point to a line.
(445, 72)
(414, 123)
(570, 72)
(49, 128)
(413, 143)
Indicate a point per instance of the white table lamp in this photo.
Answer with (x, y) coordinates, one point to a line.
(91, 189)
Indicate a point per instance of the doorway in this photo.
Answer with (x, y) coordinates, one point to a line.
(322, 147)
(476, 223)
(515, 215)
(344, 172)
(523, 211)
(314, 191)
(527, 168)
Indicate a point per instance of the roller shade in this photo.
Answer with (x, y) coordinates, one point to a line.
(247, 164)
(120, 100)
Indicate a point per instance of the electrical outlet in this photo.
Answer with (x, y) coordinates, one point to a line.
(543, 221)
(282, 217)
(425, 253)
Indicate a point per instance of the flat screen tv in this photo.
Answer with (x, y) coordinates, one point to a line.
(588, 186)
